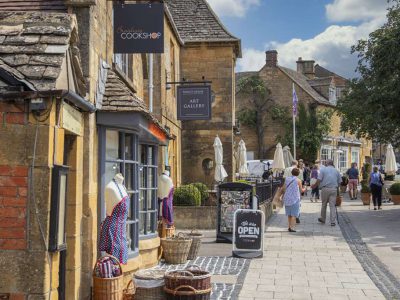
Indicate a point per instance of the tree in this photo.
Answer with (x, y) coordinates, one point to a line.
(311, 128)
(371, 107)
(255, 115)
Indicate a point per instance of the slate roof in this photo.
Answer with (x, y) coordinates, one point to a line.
(322, 72)
(320, 81)
(33, 46)
(197, 22)
(118, 97)
(302, 81)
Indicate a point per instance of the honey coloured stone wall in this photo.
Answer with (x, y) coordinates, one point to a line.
(216, 63)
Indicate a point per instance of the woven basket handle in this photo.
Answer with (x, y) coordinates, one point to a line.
(186, 286)
(184, 272)
(193, 267)
(181, 235)
(128, 286)
(107, 255)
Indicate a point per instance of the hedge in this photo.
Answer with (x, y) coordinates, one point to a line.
(187, 195)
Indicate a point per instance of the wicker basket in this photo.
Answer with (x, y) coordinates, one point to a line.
(108, 288)
(196, 243)
(176, 249)
(192, 276)
(154, 287)
(129, 291)
(164, 231)
(186, 292)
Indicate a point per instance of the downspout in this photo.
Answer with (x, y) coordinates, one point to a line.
(151, 86)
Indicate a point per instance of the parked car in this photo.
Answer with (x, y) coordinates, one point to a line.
(258, 167)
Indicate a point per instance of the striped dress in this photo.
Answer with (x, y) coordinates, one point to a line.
(113, 230)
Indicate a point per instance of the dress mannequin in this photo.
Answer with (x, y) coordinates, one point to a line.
(113, 229)
(111, 193)
(165, 194)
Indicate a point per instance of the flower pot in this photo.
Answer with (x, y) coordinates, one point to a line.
(396, 199)
(343, 188)
(339, 200)
(366, 198)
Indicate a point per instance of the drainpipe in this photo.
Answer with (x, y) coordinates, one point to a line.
(151, 86)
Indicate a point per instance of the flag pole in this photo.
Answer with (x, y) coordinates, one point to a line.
(294, 126)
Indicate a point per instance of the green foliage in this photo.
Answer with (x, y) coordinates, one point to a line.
(395, 189)
(365, 187)
(280, 113)
(311, 128)
(366, 171)
(203, 189)
(187, 195)
(371, 108)
(248, 117)
(255, 114)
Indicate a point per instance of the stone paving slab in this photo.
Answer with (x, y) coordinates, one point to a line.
(314, 263)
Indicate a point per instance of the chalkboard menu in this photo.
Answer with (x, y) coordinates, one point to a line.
(248, 233)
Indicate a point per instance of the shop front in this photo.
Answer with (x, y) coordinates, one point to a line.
(129, 143)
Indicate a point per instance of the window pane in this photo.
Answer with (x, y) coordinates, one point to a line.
(128, 147)
(142, 200)
(129, 235)
(142, 182)
(150, 178)
(150, 158)
(129, 177)
(143, 155)
(112, 145)
(149, 222)
(149, 199)
(142, 217)
(110, 170)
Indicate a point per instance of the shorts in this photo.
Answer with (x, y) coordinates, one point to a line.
(353, 183)
(293, 210)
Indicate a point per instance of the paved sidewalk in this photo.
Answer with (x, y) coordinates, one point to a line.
(314, 263)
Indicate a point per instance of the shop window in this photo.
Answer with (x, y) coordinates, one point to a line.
(124, 63)
(326, 153)
(121, 157)
(148, 190)
(355, 157)
(343, 166)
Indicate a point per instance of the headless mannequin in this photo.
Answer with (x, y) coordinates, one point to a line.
(112, 195)
(165, 184)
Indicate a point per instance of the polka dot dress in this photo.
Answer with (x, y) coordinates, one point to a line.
(113, 231)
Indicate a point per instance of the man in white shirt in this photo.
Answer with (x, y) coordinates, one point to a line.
(288, 171)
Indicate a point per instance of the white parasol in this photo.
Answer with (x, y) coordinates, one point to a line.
(390, 164)
(287, 157)
(243, 170)
(220, 173)
(278, 164)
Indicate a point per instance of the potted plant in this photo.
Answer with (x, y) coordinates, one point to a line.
(344, 183)
(395, 193)
(365, 192)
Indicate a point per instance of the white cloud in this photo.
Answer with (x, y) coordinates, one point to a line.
(355, 10)
(234, 8)
(330, 48)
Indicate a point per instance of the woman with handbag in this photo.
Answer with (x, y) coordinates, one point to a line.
(376, 183)
(291, 198)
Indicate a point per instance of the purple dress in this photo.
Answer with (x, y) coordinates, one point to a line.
(168, 208)
(113, 230)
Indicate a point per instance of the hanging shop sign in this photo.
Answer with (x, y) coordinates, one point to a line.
(248, 233)
(139, 28)
(194, 102)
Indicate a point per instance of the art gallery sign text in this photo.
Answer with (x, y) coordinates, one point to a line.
(194, 102)
(139, 28)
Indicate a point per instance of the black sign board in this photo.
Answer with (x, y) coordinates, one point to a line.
(248, 233)
(194, 102)
(139, 28)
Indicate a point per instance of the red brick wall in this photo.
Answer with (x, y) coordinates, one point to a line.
(13, 205)
(12, 114)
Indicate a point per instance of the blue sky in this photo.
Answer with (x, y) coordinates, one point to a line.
(323, 30)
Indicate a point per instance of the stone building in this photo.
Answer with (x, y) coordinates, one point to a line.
(209, 53)
(66, 99)
(315, 87)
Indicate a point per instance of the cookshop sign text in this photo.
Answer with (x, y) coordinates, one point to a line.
(139, 28)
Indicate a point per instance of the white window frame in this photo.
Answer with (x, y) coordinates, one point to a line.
(329, 150)
(343, 160)
(357, 152)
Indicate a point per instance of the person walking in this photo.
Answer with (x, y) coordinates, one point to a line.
(353, 176)
(288, 171)
(328, 180)
(291, 198)
(376, 183)
(313, 181)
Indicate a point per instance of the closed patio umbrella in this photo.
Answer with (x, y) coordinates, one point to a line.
(390, 164)
(243, 170)
(220, 173)
(278, 165)
(287, 157)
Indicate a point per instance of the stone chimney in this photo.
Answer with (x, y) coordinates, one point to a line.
(271, 58)
(306, 67)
